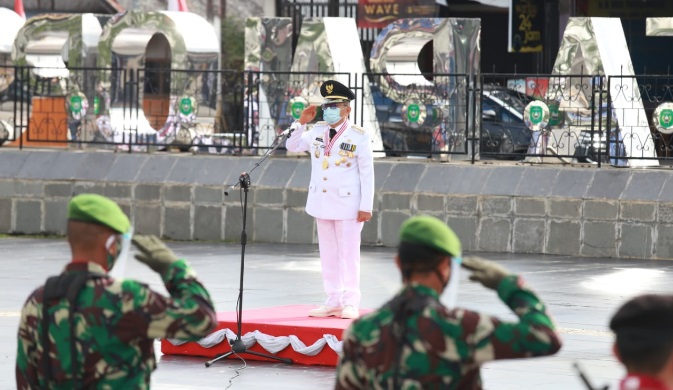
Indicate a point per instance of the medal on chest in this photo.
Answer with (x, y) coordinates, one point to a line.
(328, 147)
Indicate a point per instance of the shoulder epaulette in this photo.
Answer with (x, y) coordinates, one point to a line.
(320, 123)
(359, 129)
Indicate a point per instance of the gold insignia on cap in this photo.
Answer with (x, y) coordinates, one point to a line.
(329, 88)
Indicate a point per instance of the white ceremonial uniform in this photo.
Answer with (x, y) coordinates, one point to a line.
(342, 183)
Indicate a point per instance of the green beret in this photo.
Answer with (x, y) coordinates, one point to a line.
(99, 210)
(431, 232)
(649, 315)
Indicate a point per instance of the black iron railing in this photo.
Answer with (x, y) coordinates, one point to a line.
(593, 119)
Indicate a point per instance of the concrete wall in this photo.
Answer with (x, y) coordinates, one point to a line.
(589, 212)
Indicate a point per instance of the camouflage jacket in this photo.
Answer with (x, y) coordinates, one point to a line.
(116, 324)
(414, 342)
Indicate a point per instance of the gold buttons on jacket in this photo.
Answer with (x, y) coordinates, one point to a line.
(324, 178)
(324, 190)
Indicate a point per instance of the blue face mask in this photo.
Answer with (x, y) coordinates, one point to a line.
(331, 115)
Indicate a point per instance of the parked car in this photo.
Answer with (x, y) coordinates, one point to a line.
(400, 139)
(503, 133)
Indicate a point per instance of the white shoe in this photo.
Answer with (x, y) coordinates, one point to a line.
(350, 312)
(325, 311)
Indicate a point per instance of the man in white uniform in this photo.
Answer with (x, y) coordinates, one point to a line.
(340, 195)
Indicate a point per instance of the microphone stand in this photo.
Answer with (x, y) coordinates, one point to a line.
(237, 345)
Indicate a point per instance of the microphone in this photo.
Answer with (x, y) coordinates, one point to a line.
(287, 132)
(229, 189)
(243, 181)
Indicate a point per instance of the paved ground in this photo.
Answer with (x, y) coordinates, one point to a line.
(581, 293)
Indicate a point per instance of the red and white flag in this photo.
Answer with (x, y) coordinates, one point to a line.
(175, 5)
(18, 8)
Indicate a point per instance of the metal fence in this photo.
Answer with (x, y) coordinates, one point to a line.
(123, 109)
(593, 119)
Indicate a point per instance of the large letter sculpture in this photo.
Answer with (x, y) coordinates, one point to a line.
(268, 56)
(48, 43)
(456, 59)
(11, 23)
(597, 47)
(194, 55)
(659, 27)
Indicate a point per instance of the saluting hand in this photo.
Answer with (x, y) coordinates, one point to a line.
(308, 114)
(154, 252)
(486, 272)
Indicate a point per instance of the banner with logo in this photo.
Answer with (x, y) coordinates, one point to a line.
(378, 13)
(537, 86)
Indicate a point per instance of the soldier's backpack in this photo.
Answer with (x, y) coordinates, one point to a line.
(67, 285)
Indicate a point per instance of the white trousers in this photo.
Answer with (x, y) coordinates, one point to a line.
(339, 243)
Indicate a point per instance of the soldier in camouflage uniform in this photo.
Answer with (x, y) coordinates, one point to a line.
(415, 342)
(84, 329)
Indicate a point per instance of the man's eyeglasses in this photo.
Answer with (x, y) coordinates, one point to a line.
(331, 105)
